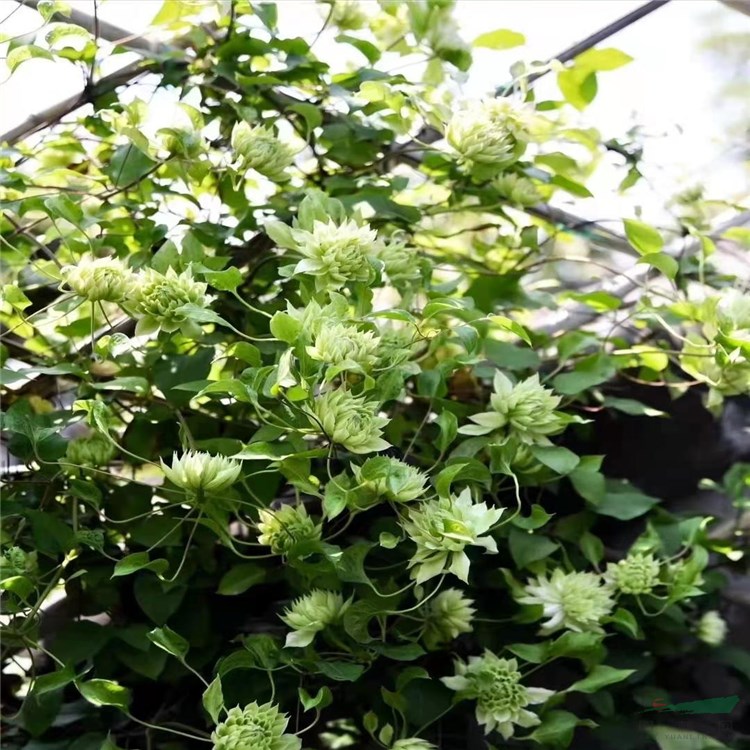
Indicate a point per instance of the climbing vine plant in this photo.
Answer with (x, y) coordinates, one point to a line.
(299, 399)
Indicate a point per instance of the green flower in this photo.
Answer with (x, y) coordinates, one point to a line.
(518, 189)
(15, 562)
(287, 530)
(99, 279)
(261, 150)
(196, 471)
(95, 450)
(447, 615)
(400, 263)
(310, 614)
(412, 743)
(390, 478)
(351, 421)
(255, 727)
(712, 628)
(442, 529)
(159, 297)
(636, 574)
(495, 685)
(490, 133)
(526, 410)
(340, 344)
(335, 254)
(347, 15)
(576, 601)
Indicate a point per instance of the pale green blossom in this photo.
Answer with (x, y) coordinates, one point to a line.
(335, 254)
(442, 529)
(517, 189)
(254, 727)
(574, 601)
(347, 15)
(525, 410)
(345, 345)
(636, 574)
(446, 616)
(310, 614)
(400, 262)
(99, 279)
(351, 421)
(501, 699)
(712, 628)
(196, 471)
(260, 149)
(159, 297)
(95, 450)
(490, 133)
(288, 529)
(390, 478)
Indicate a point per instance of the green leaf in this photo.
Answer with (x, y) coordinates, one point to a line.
(600, 676)
(662, 262)
(559, 459)
(624, 503)
(447, 422)
(626, 622)
(571, 186)
(644, 238)
(526, 547)
(556, 729)
(320, 700)
(48, 8)
(213, 700)
(605, 59)
(631, 406)
(105, 693)
(499, 39)
(341, 671)
(128, 165)
(173, 643)
(53, 681)
(138, 561)
(27, 52)
(511, 325)
(63, 207)
(240, 578)
(225, 281)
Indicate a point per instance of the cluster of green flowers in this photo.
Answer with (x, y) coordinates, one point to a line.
(257, 147)
(261, 727)
(201, 473)
(312, 613)
(155, 299)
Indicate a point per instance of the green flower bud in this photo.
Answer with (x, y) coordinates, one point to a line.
(390, 478)
(99, 279)
(490, 133)
(312, 613)
(442, 528)
(288, 530)
(261, 150)
(256, 727)
(351, 421)
(95, 450)
(636, 574)
(447, 615)
(196, 471)
(576, 601)
(412, 743)
(335, 254)
(495, 685)
(339, 344)
(525, 410)
(159, 297)
(517, 189)
(712, 628)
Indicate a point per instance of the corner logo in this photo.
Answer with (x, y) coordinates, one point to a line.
(709, 706)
